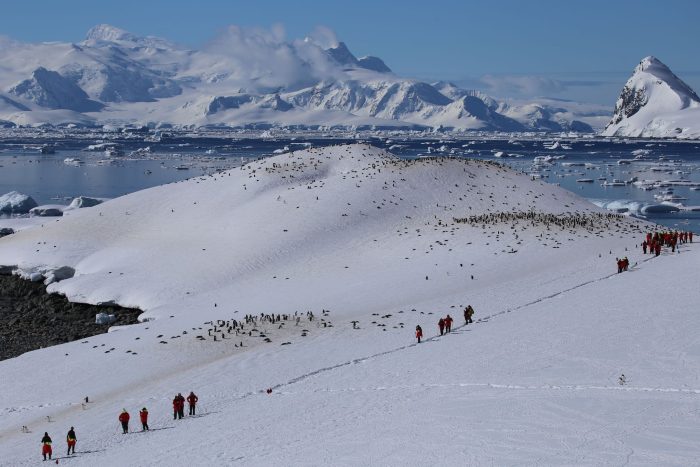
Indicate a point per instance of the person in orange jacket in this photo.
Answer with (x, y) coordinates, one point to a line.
(448, 323)
(143, 415)
(46, 446)
(124, 419)
(419, 333)
(192, 401)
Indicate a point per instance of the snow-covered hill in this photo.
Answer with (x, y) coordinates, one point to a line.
(388, 244)
(242, 77)
(655, 103)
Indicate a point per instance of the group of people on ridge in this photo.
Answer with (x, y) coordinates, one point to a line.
(124, 420)
(445, 324)
(654, 242)
(179, 405)
(622, 264)
(124, 417)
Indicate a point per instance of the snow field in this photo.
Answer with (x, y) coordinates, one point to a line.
(533, 381)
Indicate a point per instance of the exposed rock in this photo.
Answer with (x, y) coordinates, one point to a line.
(30, 318)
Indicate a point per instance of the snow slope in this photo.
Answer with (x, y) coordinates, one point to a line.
(241, 77)
(655, 103)
(372, 239)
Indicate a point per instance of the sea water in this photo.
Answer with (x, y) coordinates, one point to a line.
(601, 170)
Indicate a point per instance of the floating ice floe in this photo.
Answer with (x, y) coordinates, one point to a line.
(84, 202)
(659, 209)
(47, 210)
(72, 161)
(614, 182)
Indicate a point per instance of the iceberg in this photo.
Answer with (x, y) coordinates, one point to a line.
(16, 203)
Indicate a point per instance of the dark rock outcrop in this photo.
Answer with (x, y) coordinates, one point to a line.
(31, 318)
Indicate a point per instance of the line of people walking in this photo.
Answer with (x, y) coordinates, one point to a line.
(124, 418)
(47, 450)
(654, 241)
(445, 324)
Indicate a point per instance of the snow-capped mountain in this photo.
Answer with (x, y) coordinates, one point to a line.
(52, 90)
(655, 103)
(240, 78)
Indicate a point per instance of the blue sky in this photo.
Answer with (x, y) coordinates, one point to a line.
(583, 50)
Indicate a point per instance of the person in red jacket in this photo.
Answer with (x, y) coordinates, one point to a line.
(124, 419)
(419, 333)
(441, 325)
(192, 401)
(143, 415)
(46, 446)
(178, 406)
(448, 323)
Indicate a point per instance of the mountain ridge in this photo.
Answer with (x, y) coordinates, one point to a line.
(654, 102)
(243, 77)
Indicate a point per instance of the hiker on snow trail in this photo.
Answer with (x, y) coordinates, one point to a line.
(70, 440)
(419, 333)
(468, 313)
(192, 401)
(124, 419)
(178, 406)
(448, 323)
(46, 445)
(143, 415)
(441, 325)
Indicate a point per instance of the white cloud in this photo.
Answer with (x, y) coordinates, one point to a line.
(324, 37)
(264, 60)
(522, 85)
